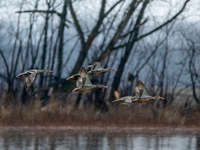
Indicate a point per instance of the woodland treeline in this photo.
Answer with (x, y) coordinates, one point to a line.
(154, 41)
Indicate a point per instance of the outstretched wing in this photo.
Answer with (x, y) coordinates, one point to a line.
(29, 79)
(86, 81)
(79, 82)
(137, 92)
(25, 74)
(142, 89)
(84, 73)
(74, 77)
(97, 66)
(85, 78)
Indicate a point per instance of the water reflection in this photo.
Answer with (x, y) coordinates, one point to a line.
(85, 140)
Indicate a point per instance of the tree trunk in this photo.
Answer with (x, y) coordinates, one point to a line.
(43, 58)
(61, 37)
(129, 47)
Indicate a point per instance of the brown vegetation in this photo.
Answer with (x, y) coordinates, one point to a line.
(135, 115)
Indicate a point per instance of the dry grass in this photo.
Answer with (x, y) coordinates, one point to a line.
(136, 115)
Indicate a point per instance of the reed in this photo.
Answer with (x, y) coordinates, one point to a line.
(136, 115)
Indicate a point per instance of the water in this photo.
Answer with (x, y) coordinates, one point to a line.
(73, 139)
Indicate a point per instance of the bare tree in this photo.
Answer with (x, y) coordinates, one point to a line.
(190, 60)
(86, 44)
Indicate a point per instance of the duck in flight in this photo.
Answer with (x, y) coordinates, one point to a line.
(84, 84)
(144, 96)
(127, 99)
(141, 96)
(96, 69)
(30, 75)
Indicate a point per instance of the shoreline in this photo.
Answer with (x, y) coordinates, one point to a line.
(138, 130)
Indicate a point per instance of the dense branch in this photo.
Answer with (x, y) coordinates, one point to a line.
(45, 11)
(112, 8)
(154, 51)
(5, 62)
(77, 25)
(128, 49)
(17, 59)
(170, 20)
(95, 32)
(120, 28)
(192, 77)
(16, 38)
(156, 29)
(126, 34)
(4, 77)
(61, 38)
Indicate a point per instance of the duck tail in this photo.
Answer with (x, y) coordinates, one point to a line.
(101, 86)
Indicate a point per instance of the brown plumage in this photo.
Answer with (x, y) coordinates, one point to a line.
(86, 85)
(96, 69)
(141, 95)
(144, 97)
(30, 75)
(127, 99)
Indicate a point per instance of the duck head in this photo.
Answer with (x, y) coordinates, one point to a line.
(76, 90)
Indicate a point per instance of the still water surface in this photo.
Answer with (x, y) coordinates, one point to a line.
(95, 140)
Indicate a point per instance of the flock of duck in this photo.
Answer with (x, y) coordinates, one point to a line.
(83, 83)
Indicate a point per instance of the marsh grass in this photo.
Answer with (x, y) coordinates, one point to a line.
(136, 115)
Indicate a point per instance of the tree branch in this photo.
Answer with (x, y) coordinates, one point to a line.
(170, 20)
(95, 32)
(112, 8)
(148, 58)
(77, 25)
(126, 34)
(3, 76)
(120, 28)
(5, 62)
(45, 11)
(156, 29)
